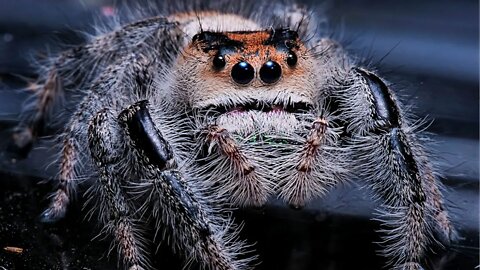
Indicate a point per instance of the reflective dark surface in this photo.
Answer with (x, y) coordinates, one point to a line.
(428, 49)
(243, 72)
(270, 72)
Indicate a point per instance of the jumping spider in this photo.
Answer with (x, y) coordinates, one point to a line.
(179, 117)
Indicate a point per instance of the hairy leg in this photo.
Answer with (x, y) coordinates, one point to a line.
(180, 207)
(70, 73)
(65, 187)
(394, 163)
(118, 84)
(116, 212)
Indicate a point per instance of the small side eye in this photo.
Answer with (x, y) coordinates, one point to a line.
(219, 61)
(291, 58)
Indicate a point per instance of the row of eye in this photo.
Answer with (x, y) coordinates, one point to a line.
(243, 72)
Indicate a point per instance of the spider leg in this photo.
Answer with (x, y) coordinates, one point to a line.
(65, 187)
(73, 152)
(71, 160)
(394, 163)
(109, 88)
(444, 230)
(116, 213)
(227, 161)
(74, 70)
(179, 207)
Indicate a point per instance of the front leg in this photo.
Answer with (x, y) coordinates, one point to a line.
(116, 213)
(180, 207)
(388, 155)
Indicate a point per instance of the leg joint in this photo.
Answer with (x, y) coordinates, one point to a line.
(146, 138)
(385, 110)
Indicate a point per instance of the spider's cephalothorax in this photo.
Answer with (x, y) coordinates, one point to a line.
(181, 116)
(262, 114)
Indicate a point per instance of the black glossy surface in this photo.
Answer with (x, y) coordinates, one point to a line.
(142, 131)
(219, 61)
(243, 72)
(431, 56)
(292, 59)
(270, 72)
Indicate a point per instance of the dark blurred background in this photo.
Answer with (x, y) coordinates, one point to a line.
(429, 49)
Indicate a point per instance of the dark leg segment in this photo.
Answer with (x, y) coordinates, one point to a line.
(444, 231)
(390, 158)
(180, 210)
(405, 214)
(115, 212)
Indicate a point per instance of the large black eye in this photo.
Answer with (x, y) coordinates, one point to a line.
(270, 72)
(219, 61)
(291, 58)
(243, 72)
